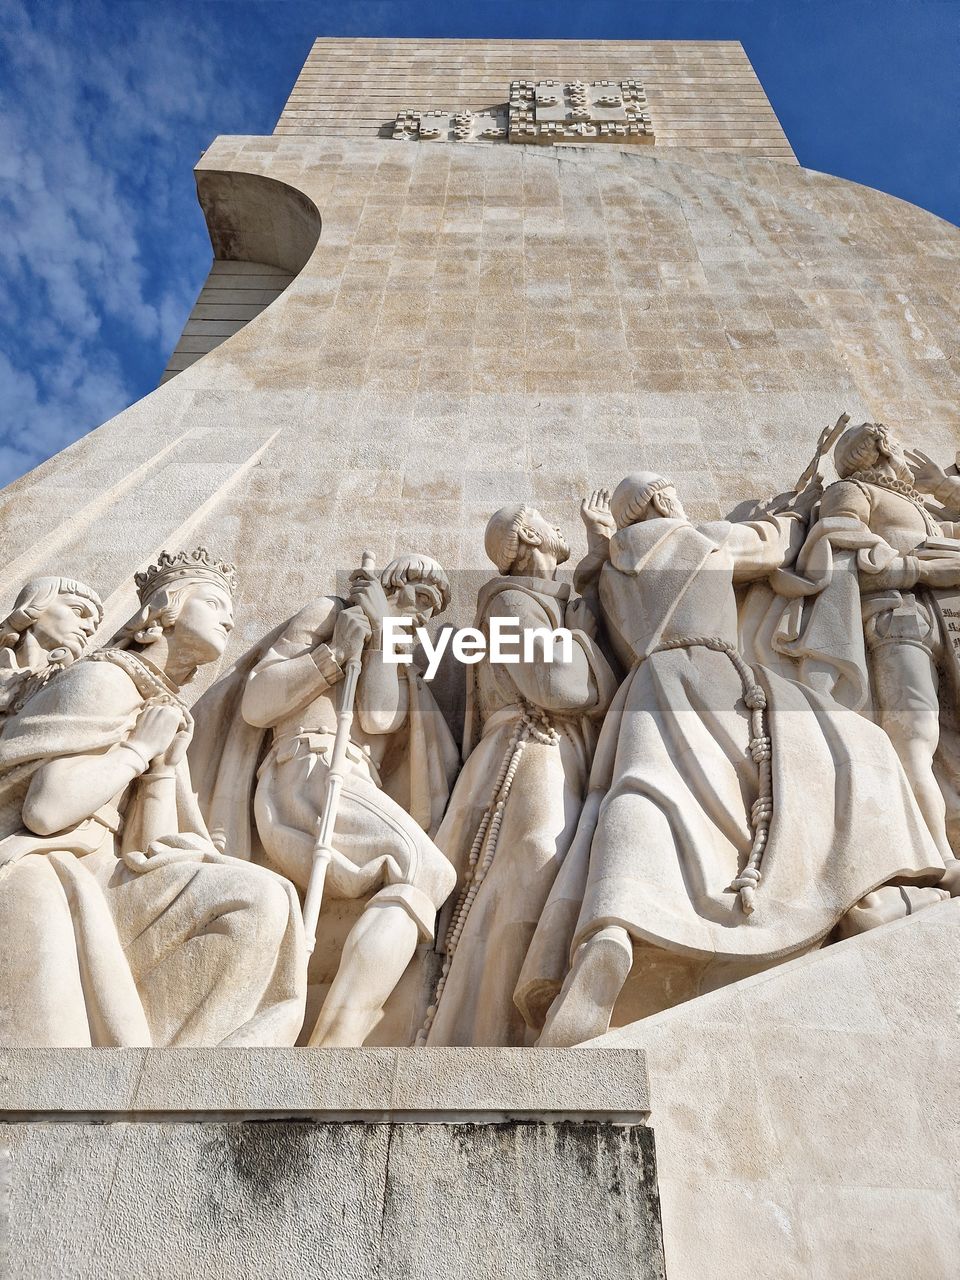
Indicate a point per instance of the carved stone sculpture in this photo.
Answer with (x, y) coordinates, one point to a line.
(734, 816)
(401, 762)
(541, 111)
(901, 557)
(529, 738)
(874, 592)
(120, 924)
(48, 628)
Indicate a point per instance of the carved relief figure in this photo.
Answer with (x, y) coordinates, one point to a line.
(877, 554)
(49, 627)
(530, 733)
(402, 760)
(120, 924)
(734, 816)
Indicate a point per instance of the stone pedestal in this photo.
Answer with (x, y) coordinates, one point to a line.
(328, 1163)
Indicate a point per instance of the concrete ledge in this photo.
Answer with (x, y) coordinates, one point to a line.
(376, 1085)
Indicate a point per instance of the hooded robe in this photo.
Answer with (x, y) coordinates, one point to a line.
(666, 828)
(540, 813)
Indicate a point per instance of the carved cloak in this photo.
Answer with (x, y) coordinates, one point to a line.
(539, 816)
(665, 829)
(226, 752)
(108, 940)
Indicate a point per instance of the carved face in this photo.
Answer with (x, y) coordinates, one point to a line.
(552, 541)
(416, 600)
(204, 622)
(67, 623)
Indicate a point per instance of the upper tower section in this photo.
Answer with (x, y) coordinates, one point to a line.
(702, 94)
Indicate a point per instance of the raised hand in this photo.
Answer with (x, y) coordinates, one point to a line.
(801, 503)
(927, 474)
(804, 502)
(595, 514)
(580, 617)
(368, 593)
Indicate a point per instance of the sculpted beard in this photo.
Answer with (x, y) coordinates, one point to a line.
(555, 545)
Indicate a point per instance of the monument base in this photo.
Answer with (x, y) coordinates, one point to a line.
(806, 1118)
(374, 1163)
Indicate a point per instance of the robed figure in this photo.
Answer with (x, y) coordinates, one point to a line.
(734, 816)
(120, 923)
(530, 732)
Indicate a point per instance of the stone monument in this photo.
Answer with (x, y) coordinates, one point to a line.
(339, 938)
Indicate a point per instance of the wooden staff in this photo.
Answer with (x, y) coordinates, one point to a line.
(323, 849)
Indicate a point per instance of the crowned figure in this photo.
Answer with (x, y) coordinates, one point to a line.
(120, 923)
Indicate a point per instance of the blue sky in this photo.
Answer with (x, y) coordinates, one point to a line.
(106, 104)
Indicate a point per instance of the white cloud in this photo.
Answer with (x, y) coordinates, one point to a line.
(102, 248)
(42, 415)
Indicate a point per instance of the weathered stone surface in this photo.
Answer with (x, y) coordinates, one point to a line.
(470, 326)
(234, 293)
(464, 306)
(814, 1106)
(179, 943)
(702, 93)
(369, 1083)
(405, 1202)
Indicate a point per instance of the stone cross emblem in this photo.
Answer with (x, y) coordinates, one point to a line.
(451, 126)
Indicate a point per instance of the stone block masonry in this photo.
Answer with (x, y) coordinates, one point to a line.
(702, 94)
(398, 1165)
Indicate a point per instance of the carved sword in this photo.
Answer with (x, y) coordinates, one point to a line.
(828, 438)
(323, 848)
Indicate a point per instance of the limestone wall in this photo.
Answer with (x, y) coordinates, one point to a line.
(233, 294)
(490, 324)
(336, 1201)
(806, 1118)
(330, 1163)
(701, 93)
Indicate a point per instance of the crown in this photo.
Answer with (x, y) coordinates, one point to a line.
(185, 564)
